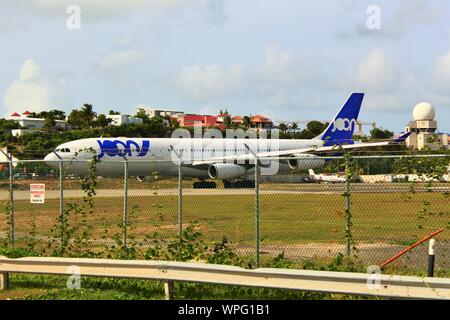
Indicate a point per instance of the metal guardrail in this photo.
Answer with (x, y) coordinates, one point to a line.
(167, 271)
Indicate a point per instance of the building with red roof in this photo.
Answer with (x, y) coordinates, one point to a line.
(237, 119)
(260, 122)
(190, 120)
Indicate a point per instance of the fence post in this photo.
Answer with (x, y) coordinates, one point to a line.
(347, 217)
(180, 202)
(257, 208)
(61, 194)
(11, 201)
(4, 280)
(169, 289)
(348, 164)
(431, 257)
(125, 201)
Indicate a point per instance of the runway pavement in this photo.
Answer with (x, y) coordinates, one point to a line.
(264, 189)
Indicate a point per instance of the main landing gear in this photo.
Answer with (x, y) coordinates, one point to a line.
(204, 185)
(239, 184)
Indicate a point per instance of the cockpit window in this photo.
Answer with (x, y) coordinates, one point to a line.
(56, 150)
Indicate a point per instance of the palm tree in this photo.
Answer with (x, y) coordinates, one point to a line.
(246, 121)
(88, 113)
(294, 126)
(283, 127)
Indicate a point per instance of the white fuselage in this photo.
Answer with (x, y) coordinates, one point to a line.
(150, 156)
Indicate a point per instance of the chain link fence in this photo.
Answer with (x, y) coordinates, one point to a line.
(368, 207)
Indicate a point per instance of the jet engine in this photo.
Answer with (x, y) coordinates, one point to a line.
(225, 171)
(305, 162)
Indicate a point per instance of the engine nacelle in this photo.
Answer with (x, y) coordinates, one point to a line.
(141, 178)
(305, 162)
(225, 171)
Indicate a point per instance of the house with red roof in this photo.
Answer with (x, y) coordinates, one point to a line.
(206, 121)
(260, 122)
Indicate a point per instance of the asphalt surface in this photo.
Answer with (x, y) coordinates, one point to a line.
(264, 189)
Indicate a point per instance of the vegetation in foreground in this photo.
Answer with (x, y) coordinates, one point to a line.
(47, 287)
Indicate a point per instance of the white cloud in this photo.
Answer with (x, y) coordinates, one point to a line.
(387, 83)
(442, 68)
(375, 71)
(278, 65)
(126, 40)
(30, 92)
(106, 8)
(30, 71)
(284, 81)
(203, 83)
(121, 58)
(408, 15)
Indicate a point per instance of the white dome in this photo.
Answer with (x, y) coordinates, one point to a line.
(424, 111)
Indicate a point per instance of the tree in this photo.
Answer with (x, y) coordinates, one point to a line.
(102, 121)
(294, 126)
(57, 114)
(143, 115)
(8, 124)
(112, 112)
(227, 120)
(316, 127)
(283, 127)
(88, 114)
(49, 123)
(75, 119)
(246, 121)
(83, 118)
(377, 133)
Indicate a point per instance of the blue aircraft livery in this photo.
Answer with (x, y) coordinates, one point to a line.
(120, 148)
(341, 129)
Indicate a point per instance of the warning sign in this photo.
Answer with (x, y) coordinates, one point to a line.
(37, 193)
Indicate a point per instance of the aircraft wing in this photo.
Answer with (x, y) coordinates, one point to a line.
(290, 152)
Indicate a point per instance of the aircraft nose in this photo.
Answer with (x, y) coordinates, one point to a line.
(51, 160)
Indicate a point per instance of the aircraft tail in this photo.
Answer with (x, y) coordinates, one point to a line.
(311, 173)
(341, 128)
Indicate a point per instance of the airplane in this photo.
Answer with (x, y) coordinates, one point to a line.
(325, 177)
(229, 160)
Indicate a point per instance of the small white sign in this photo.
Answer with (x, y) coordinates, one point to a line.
(37, 193)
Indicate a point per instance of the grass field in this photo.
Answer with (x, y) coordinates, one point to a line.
(301, 225)
(290, 218)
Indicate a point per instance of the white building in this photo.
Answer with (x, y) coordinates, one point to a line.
(120, 119)
(424, 129)
(32, 124)
(161, 112)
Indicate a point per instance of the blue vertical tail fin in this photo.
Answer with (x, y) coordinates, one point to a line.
(341, 128)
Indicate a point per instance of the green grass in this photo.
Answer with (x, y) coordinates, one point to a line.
(49, 287)
(33, 287)
(286, 218)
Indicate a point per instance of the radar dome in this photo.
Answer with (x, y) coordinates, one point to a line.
(424, 111)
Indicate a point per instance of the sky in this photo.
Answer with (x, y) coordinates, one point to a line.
(287, 59)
